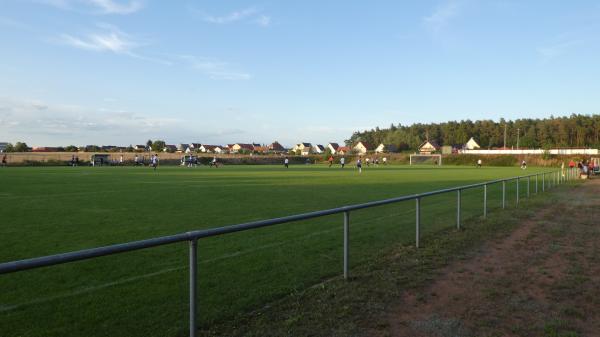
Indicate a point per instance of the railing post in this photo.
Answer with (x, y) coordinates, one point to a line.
(193, 282)
(484, 201)
(543, 182)
(346, 242)
(417, 221)
(458, 209)
(517, 191)
(503, 194)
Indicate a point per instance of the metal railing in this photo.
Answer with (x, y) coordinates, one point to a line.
(548, 179)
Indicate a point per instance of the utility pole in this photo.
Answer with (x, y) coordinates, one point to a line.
(518, 132)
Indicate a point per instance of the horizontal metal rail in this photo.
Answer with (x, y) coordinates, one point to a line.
(192, 237)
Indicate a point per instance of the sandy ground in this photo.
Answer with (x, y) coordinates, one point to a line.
(542, 280)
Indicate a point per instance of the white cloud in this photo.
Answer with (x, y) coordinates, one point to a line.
(66, 123)
(251, 15)
(112, 40)
(98, 6)
(442, 15)
(215, 69)
(109, 38)
(263, 21)
(112, 7)
(231, 17)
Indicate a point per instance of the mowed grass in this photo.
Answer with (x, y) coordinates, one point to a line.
(54, 210)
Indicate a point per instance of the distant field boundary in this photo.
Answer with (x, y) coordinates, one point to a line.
(62, 158)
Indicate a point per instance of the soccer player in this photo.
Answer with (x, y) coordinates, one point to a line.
(214, 162)
(478, 163)
(343, 161)
(154, 161)
(384, 160)
(286, 162)
(330, 160)
(121, 160)
(359, 165)
(136, 160)
(523, 165)
(4, 161)
(367, 161)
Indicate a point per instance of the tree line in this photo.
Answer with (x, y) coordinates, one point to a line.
(573, 131)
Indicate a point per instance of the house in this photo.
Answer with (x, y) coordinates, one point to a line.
(276, 147)
(240, 147)
(183, 148)
(107, 148)
(140, 148)
(361, 148)
(428, 147)
(333, 147)
(342, 150)
(220, 149)
(3, 146)
(261, 149)
(318, 149)
(207, 148)
(170, 148)
(472, 144)
(44, 149)
(195, 146)
(386, 148)
(303, 148)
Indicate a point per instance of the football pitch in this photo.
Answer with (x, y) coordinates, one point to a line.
(51, 210)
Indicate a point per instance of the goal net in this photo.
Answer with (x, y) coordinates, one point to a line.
(425, 159)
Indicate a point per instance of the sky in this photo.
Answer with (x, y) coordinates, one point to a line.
(119, 72)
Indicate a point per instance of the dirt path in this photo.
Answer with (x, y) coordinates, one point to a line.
(542, 280)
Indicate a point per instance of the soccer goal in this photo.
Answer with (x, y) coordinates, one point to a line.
(425, 159)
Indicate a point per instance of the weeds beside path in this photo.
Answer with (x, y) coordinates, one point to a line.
(542, 280)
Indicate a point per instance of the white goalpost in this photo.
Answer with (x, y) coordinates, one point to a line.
(423, 159)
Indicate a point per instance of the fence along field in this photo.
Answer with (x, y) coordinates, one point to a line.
(145, 292)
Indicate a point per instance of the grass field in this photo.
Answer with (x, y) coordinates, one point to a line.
(54, 210)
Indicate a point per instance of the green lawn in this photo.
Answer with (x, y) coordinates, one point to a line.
(54, 210)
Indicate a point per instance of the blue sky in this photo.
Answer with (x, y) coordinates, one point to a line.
(120, 72)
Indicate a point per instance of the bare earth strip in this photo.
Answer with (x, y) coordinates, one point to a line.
(542, 280)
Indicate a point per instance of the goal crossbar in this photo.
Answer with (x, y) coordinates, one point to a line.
(423, 158)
